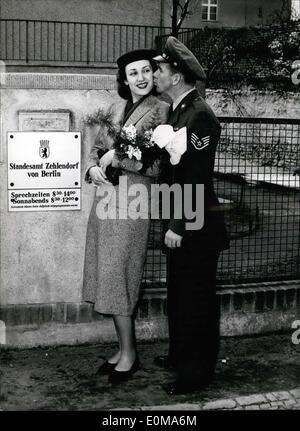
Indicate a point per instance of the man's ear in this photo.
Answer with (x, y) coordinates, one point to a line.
(176, 78)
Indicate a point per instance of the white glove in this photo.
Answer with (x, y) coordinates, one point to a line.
(177, 146)
(162, 135)
(98, 176)
(174, 142)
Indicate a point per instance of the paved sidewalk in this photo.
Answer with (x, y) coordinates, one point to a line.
(283, 400)
(252, 373)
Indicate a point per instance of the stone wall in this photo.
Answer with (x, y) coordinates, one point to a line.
(42, 252)
(245, 310)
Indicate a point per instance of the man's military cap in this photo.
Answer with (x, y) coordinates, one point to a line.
(181, 58)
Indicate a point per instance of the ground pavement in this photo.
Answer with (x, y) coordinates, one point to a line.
(252, 373)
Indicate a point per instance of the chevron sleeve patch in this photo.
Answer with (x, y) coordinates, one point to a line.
(200, 143)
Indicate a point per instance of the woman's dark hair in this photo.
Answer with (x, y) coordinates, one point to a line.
(123, 89)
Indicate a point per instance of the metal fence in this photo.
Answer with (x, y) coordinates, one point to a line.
(260, 56)
(257, 182)
(72, 43)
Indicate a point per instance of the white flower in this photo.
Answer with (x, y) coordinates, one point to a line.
(129, 151)
(137, 154)
(129, 132)
(162, 135)
(133, 152)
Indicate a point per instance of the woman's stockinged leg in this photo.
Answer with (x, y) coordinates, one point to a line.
(125, 330)
(116, 357)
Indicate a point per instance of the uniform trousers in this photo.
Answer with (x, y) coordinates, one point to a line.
(193, 312)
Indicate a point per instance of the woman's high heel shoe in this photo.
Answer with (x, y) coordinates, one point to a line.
(106, 368)
(121, 376)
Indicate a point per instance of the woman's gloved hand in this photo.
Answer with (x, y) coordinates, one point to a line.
(98, 176)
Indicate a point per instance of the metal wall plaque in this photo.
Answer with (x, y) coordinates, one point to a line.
(39, 121)
(44, 171)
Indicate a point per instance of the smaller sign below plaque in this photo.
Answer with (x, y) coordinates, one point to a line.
(44, 171)
(44, 199)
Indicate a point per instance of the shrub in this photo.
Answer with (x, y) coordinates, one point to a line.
(259, 56)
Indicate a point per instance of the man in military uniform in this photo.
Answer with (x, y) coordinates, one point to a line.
(192, 257)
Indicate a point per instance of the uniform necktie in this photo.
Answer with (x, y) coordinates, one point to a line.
(170, 110)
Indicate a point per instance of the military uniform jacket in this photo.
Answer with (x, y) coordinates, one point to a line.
(196, 167)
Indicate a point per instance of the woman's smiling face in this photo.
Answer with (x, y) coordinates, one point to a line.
(139, 78)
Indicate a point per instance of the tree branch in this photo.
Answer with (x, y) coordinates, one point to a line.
(184, 11)
(175, 4)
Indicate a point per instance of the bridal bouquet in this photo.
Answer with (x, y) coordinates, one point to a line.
(137, 146)
(147, 146)
(129, 143)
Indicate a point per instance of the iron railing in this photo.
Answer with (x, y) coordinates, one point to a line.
(257, 182)
(71, 43)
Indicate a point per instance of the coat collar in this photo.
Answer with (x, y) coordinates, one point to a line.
(138, 113)
(141, 110)
(183, 105)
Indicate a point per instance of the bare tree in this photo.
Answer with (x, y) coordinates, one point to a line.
(180, 9)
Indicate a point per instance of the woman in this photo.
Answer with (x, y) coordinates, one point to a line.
(116, 248)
